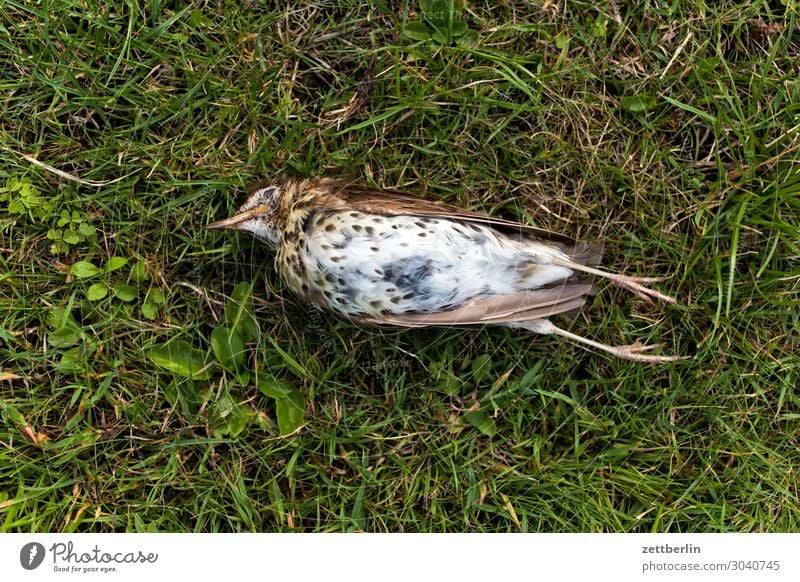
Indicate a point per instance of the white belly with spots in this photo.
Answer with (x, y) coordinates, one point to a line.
(381, 264)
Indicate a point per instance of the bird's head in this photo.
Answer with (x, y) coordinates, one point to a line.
(257, 215)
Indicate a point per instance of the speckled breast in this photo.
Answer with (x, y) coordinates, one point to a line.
(359, 264)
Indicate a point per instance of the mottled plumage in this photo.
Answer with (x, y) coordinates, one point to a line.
(389, 258)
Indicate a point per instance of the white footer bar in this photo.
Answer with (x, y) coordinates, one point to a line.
(401, 557)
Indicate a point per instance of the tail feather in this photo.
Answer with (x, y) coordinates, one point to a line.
(583, 253)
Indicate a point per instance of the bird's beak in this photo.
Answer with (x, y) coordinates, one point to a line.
(234, 221)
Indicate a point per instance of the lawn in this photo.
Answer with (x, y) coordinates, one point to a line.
(668, 130)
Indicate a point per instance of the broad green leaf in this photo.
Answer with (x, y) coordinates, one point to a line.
(228, 348)
(482, 421)
(451, 386)
(197, 19)
(115, 263)
(241, 293)
(125, 292)
(600, 26)
(531, 376)
(469, 38)
(149, 310)
(13, 184)
(71, 362)
(459, 28)
(12, 415)
(239, 312)
(430, 6)
(155, 295)
(637, 103)
(64, 337)
(139, 272)
(226, 417)
(16, 207)
(290, 411)
(86, 229)
(96, 292)
(481, 367)
(562, 40)
(71, 237)
(249, 329)
(59, 316)
(84, 270)
(436, 9)
(180, 358)
(416, 30)
(274, 387)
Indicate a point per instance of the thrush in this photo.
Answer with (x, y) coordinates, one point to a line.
(388, 258)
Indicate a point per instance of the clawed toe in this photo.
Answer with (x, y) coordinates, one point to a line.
(635, 285)
(634, 353)
(638, 347)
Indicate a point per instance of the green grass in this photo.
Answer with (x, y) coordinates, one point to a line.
(669, 130)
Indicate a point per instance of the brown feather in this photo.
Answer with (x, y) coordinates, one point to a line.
(514, 307)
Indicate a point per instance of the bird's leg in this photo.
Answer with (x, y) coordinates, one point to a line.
(629, 282)
(630, 352)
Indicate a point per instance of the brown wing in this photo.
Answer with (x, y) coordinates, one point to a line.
(365, 199)
(500, 309)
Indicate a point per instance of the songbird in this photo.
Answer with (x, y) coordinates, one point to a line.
(388, 258)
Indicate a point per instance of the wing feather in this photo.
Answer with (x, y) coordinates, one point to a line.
(510, 308)
(370, 200)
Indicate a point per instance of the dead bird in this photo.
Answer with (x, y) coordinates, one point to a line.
(388, 258)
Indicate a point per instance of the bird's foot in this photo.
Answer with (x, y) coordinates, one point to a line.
(631, 283)
(634, 353)
(637, 286)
